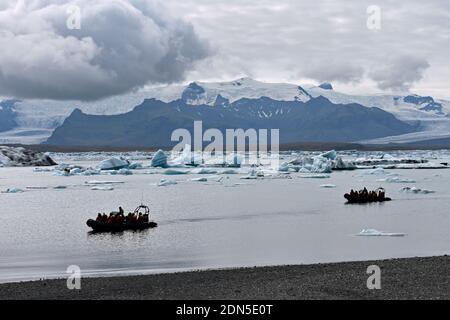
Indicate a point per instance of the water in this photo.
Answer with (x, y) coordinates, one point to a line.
(213, 225)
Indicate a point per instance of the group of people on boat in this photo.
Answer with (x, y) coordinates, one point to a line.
(120, 217)
(364, 196)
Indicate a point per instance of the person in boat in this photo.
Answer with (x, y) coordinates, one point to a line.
(99, 217)
(146, 218)
(121, 210)
(140, 218)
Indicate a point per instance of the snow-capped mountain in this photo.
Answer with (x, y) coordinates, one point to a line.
(33, 121)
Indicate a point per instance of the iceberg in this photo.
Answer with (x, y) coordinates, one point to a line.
(159, 159)
(340, 164)
(316, 164)
(113, 164)
(21, 157)
(331, 155)
(135, 165)
(376, 233)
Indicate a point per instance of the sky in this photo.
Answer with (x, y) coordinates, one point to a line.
(378, 46)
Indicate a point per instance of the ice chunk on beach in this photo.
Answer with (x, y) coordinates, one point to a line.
(113, 164)
(416, 190)
(164, 183)
(159, 159)
(376, 233)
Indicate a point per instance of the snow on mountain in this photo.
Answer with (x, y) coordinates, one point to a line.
(35, 120)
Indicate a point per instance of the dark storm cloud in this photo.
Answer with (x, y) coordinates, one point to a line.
(122, 45)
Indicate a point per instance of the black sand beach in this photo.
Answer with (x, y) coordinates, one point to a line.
(413, 278)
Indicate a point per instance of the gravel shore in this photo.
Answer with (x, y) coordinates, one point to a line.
(412, 278)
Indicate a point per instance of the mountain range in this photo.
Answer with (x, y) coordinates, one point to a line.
(303, 113)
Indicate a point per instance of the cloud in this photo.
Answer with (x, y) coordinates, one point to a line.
(340, 71)
(400, 73)
(122, 45)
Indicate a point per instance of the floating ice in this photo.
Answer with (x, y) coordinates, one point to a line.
(13, 190)
(340, 164)
(376, 233)
(229, 171)
(60, 187)
(173, 172)
(135, 165)
(42, 169)
(202, 179)
(205, 171)
(164, 183)
(96, 182)
(316, 164)
(36, 188)
(103, 188)
(376, 172)
(125, 172)
(328, 186)
(113, 164)
(21, 157)
(329, 155)
(396, 180)
(416, 190)
(75, 171)
(316, 176)
(159, 159)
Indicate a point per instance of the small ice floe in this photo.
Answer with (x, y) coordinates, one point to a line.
(135, 166)
(328, 186)
(396, 180)
(113, 164)
(416, 190)
(375, 172)
(252, 175)
(376, 233)
(13, 190)
(42, 169)
(159, 159)
(60, 187)
(205, 171)
(123, 172)
(164, 183)
(315, 176)
(96, 182)
(229, 171)
(36, 188)
(103, 188)
(174, 172)
(202, 179)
